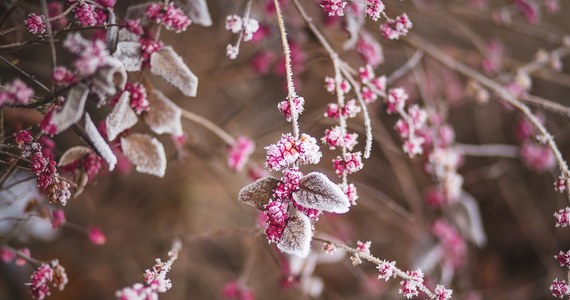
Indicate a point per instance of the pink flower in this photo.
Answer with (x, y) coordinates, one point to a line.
(386, 270)
(234, 23)
(282, 154)
(366, 73)
(559, 288)
(23, 137)
(20, 260)
(351, 192)
(413, 146)
(148, 47)
(369, 50)
(40, 280)
(284, 107)
(274, 232)
(135, 27)
(451, 241)
(46, 125)
(92, 164)
(363, 247)
(57, 218)
(349, 163)
(374, 9)
(529, 9)
(537, 157)
(397, 27)
(396, 100)
(239, 153)
(562, 217)
(563, 259)
(85, 14)
(16, 92)
(171, 17)
(96, 236)
(435, 197)
(35, 24)
(276, 213)
(441, 293)
(289, 184)
(138, 97)
(250, 27)
(333, 7)
(62, 76)
(561, 184)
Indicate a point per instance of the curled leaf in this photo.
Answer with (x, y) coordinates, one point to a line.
(170, 66)
(73, 154)
(129, 53)
(121, 118)
(196, 10)
(72, 108)
(467, 217)
(146, 153)
(111, 76)
(258, 193)
(164, 116)
(297, 236)
(99, 143)
(318, 192)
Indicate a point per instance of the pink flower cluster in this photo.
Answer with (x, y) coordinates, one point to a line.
(148, 47)
(45, 275)
(333, 138)
(85, 14)
(559, 288)
(63, 76)
(374, 9)
(410, 287)
(285, 107)
(348, 163)
(170, 16)
(44, 167)
(369, 50)
(538, 157)
(386, 270)
(15, 92)
(138, 98)
(410, 123)
(288, 151)
(35, 24)
(155, 280)
(396, 28)
(91, 54)
(249, 26)
(349, 110)
(451, 241)
(562, 217)
(235, 291)
(8, 255)
(276, 220)
(334, 7)
(239, 152)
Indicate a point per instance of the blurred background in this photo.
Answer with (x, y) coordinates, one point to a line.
(197, 199)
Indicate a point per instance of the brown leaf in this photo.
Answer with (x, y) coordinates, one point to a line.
(170, 66)
(146, 153)
(318, 192)
(72, 108)
(99, 143)
(121, 118)
(196, 10)
(129, 53)
(258, 193)
(73, 154)
(297, 236)
(164, 116)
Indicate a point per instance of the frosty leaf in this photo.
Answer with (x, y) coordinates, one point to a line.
(111, 76)
(99, 143)
(467, 217)
(196, 10)
(170, 66)
(129, 53)
(296, 239)
(258, 193)
(146, 153)
(127, 36)
(354, 23)
(318, 192)
(73, 154)
(164, 116)
(135, 12)
(121, 118)
(112, 31)
(72, 108)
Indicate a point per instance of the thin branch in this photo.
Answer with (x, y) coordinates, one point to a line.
(546, 104)
(215, 129)
(25, 74)
(489, 150)
(409, 65)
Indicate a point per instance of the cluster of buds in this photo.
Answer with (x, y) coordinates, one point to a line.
(49, 181)
(410, 123)
(168, 15)
(396, 28)
(45, 275)
(246, 27)
(15, 92)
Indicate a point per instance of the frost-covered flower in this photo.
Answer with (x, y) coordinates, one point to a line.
(40, 280)
(232, 51)
(35, 24)
(239, 153)
(170, 16)
(386, 270)
(559, 288)
(397, 27)
(396, 100)
(15, 92)
(349, 163)
(250, 27)
(285, 108)
(234, 23)
(85, 14)
(537, 157)
(351, 192)
(441, 293)
(138, 97)
(62, 76)
(562, 217)
(369, 50)
(374, 9)
(334, 7)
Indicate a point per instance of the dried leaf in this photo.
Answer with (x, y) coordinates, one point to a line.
(72, 108)
(129, 53)
(135, 12)
(121, 118)
(73, 154)
(99, 143)
(258, 193)
(318, 192)
(164, 116)
(112, 31)
(297, 236)
(111, 76)
(170, 66)
(127, 36)
(467, 217)
(146, 153)
(196, 10)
